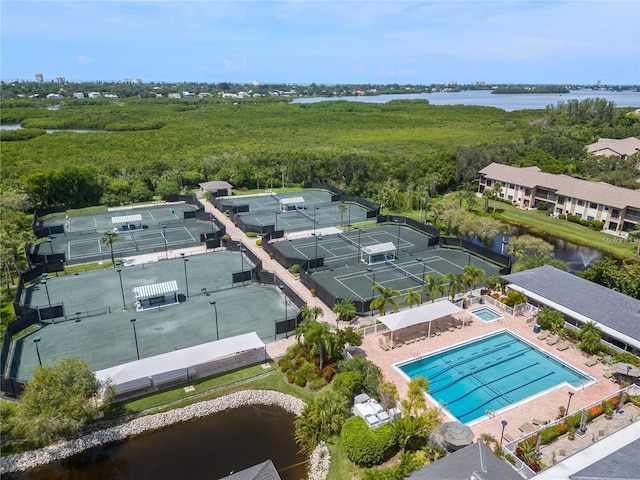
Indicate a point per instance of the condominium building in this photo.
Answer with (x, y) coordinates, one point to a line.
(617, 207)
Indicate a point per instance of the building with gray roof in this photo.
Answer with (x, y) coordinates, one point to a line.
(473, 462)
(580, 300)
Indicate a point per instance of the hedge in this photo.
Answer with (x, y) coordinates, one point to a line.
(367, 447)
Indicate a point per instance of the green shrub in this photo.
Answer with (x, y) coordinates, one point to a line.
(259, 242)
(251, 234)
(300, 380)
(571, 333)
(367, 447)
(226, 237)
(562, 216)
(574, 420)
(295, 268)
(542, 206)
(348, 383)
(548, 435)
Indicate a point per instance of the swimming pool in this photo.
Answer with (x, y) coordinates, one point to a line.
(489, 374)
(487, 314)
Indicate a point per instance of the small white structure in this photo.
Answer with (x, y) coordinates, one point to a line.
(372, 412)
(378, 253)
(291, 203)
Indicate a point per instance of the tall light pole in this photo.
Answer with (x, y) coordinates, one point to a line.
(569, 402)
(373, 283)
(36, 340)
(46, 287)
(135, 335)
(359, 244)
(213, 302)
(315, 209)
(398, 242)
(186, 280)
(349, 215)
(286, 313)
(423, 269)
(124, 304)
(164, 235)
(241, 249)
(504, 424)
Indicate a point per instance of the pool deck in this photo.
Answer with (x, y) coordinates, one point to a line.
(543, 408)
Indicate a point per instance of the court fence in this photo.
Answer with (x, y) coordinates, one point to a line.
(337, 195)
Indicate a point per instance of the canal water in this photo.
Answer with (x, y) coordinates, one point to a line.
(209, 448)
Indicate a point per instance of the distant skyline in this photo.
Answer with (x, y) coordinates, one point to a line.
(378, 42)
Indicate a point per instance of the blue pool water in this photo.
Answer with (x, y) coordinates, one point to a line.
(490, 374)
(486, 314)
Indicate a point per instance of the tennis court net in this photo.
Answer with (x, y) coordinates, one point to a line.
(306, 215)
(134, 240)
(348, 240)
(406, 272)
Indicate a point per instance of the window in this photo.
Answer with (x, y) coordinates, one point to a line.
(615, 213)
(527, 192)
(593, 205)
(581, 203)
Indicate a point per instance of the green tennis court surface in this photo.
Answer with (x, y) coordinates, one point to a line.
(139, 230)
(344, 275)
(107, 339)
(319, 211)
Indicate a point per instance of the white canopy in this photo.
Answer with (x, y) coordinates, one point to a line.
(180, 359)
(415, 316)
(292, 201)
(126, 219)
(379, 248)
(422, 314)
(155, 290)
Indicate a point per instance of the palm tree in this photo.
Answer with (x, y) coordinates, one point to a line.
(590, 337)
(316, 337)
(345, 309)
(311, 313)
(434, 286)
(456, 284)
(497, 186)
(342, 208)
(108, 238)
(473, 276)
(384, 299)
(412, 298)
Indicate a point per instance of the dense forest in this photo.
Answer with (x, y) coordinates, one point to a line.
(146, 147)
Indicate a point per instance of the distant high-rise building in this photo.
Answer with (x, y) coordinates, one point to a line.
(39, 78)
(60, 80)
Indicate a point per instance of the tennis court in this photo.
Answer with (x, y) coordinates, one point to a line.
(318, 211)
(99, 330)
(402, 274)
(345, 275)
(139, 230)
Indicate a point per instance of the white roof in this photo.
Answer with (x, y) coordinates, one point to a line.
(291, 200)
(379, 248)
(126, 219)
(422, 314)
(180, 359)
(155, 290)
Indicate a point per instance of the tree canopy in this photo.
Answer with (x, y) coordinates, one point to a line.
(57, 401)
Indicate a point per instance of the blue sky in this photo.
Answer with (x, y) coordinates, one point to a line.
(541, 41)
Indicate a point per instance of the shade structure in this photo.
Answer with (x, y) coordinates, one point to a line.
(127, 219)
(416, 316)
(626, 369)
(456, 435)
(155, 290)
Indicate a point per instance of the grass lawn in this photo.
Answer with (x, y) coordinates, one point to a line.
(341, 467)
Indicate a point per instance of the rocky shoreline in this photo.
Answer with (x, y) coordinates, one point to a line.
(318, 465)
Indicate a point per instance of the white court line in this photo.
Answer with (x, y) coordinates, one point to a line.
(95, 222)
(151, 215)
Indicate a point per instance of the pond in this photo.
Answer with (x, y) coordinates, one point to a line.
(211, 447)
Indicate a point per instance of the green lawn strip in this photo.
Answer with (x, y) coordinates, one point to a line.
(543, 224)
(341, 467)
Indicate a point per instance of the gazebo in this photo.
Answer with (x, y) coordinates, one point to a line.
(155, 295)
(380, 252)
(291, 203)
(427, 313)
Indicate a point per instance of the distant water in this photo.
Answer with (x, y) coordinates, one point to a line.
(484, 98)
